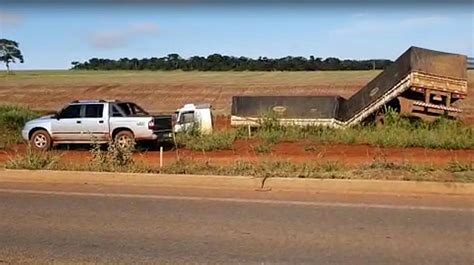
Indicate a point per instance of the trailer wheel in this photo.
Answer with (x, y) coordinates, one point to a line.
(379, 119)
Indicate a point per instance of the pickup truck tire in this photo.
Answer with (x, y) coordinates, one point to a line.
(124, 139)
(40, 140)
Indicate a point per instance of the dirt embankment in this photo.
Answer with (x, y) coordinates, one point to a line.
(297, 152)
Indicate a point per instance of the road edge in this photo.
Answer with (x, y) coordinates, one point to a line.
(238, 182)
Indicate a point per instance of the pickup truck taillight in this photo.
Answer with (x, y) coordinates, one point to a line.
(174, 119)
(151, 124)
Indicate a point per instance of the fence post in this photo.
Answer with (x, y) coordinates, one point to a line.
(161, 156)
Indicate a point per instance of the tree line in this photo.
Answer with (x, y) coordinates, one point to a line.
(218, 62)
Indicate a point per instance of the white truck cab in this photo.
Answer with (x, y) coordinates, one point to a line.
(194, 116)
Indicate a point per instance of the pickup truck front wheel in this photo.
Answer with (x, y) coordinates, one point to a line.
(40, 140)
(125, 139)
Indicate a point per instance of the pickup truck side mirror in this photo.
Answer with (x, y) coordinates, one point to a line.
(57, 116)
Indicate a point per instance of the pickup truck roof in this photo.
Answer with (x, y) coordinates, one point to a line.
(97, 101)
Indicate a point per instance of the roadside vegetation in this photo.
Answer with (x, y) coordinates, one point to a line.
(113, 158)
(34, 160)
(12, 119)
(193, 140)
(396, 132)
(116, 159)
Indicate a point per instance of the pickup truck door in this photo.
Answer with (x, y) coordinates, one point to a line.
(67, 126)
(95, 122)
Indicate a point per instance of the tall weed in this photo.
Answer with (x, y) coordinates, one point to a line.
(207, 142)
(114, 158)
(33, 160)
(396, 132)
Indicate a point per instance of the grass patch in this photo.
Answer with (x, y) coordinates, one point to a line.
(114, 159)
(396, 132)
(456, 166)
(263, 148)
(321, 170)
(14, 117)
(12, 120)
(8, 138)
(111, 160)
(330, 166)
(284, 169)
(202, 142)
(33, 160)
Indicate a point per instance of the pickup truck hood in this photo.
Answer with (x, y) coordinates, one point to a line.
(40, 120)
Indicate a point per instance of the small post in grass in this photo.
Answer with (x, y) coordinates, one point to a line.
(161, 156)
(250, 130)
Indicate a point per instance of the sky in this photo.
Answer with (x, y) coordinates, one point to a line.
(51, 36)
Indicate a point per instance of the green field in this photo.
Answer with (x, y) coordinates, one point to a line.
(61, 77)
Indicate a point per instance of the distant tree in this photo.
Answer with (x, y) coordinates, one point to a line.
(10, 53)
(75, 64)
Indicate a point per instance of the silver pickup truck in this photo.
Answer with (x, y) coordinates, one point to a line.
(97, 121)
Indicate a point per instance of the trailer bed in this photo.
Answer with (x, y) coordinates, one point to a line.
(415, 68)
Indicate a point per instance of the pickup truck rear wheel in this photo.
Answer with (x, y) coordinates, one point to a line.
(125, 139)
(40, 140)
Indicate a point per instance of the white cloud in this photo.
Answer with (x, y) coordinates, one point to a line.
(9, 19)
(144, 27)
(116, 38)
(108, 39)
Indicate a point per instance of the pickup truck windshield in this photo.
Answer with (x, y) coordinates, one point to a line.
(129, 109)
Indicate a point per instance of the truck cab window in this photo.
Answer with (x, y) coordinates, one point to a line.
(71, 112)
(125, 108)
(116, 112)
(137, 110)
(187, 117)
(94, 110)
(131, 109)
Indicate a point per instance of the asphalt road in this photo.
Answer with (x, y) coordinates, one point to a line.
(68, 225)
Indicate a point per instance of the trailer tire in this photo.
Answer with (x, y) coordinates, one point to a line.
(379, 119)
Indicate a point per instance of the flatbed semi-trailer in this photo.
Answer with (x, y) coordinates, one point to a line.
(420, 83)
